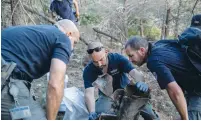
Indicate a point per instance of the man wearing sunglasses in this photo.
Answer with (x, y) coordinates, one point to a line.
(116, 66)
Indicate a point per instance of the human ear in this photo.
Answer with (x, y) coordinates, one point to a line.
(106, 51)
(142, 50)
(69, 33)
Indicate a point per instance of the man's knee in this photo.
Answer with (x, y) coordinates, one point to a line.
(148, 113)
(194, 107)
(24, 98)
(103, 104)
(194, 115)
(6, 104)
(37, 112)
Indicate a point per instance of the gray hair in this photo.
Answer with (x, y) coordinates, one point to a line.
(67, 25)
(136, 42)
(93, 45)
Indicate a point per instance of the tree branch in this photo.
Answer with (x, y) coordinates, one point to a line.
(27, 13)
(194, 6)
(83, 40)
(13, 10)
(35, 12)
(103, 33)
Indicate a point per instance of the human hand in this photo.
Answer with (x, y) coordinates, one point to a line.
(141, 86)
(93, 116)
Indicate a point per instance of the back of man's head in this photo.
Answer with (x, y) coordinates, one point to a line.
(70, 29)
(196, 21)
(67, 25)
(136, 42)
(93, 45)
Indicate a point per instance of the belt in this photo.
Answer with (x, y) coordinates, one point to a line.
(194, 93)
(17, 74)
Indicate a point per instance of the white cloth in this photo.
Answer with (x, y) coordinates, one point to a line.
(75, 104)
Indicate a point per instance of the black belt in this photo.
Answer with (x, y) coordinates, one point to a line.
(193, 93)
(22, 76)
(17, 74)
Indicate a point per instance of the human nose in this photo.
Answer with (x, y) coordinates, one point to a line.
(130, 59)
(99, 63)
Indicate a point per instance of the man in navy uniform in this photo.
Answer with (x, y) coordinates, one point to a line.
(35, 50)
(116, 66)
(173, 71)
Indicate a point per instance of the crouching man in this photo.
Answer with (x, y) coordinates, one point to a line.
(173, 71)
(115, 65)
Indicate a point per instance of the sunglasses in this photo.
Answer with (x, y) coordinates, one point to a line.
(130, 56)
(97, 49)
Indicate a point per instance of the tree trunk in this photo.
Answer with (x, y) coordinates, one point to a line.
(125, 21)
(177, 20)
(162, 30)
(17, 15)
(141, 28)
(167, 20)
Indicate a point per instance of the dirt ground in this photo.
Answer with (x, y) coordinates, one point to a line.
(160, 100)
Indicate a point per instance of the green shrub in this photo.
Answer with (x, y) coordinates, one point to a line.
(152, 33)
(132, 32)
(86, 19)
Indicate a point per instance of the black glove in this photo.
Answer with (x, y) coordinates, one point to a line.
(142, 87)
(93, 116)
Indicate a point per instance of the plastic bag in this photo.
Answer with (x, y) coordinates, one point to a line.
(75, 104)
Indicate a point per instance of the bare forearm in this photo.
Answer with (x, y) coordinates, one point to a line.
(54, 97)
(180, 103)
(76, 7)
(90, 102)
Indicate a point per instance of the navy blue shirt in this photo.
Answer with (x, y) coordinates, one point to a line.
(33, 47)
(63, 9)
(168, 63)
(118, 66)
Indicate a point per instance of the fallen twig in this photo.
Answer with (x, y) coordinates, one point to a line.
(103, 33)
(83, 40)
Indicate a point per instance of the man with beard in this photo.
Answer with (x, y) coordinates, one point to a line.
(173, 71)
(116, 66)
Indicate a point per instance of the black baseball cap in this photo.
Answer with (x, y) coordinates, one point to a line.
(196, 21)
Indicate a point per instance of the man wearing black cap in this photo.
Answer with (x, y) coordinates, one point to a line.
(114, 66)
(196, 21)
(190, 40)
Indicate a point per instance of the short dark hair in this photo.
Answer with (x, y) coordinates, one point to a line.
(136, 42)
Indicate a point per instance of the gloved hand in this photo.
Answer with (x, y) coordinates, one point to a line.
(93, 116)
(142, 87)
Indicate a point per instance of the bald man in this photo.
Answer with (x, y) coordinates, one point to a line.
(35, 50)
(114, 67)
